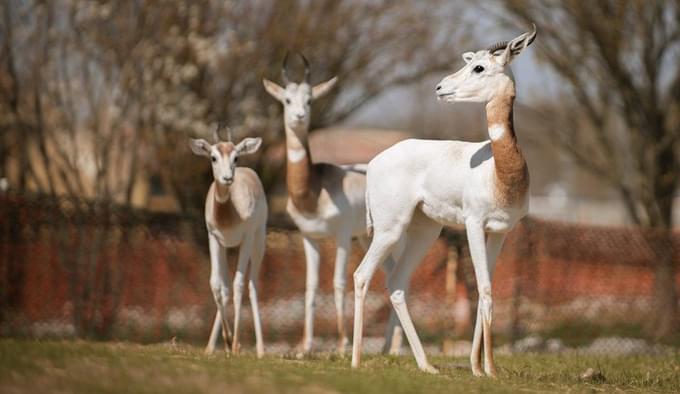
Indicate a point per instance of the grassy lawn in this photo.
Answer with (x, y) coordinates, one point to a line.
(32, 366)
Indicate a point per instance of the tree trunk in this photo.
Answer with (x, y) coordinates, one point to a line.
(13, 266)
(665, 321)
(660, 239)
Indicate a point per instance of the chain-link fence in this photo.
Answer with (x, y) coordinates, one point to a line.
(71, 268)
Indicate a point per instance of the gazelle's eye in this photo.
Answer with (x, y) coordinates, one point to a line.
(214, 159)
(287, 101)
(309, 101)
(236, 159)
(478, 69)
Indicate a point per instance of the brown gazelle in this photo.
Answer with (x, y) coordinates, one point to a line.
(324, 200)
(235, 215)
(416, 187)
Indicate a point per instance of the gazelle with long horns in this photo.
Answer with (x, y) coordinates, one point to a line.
(235, 215)
(324, 200)
(416, 187)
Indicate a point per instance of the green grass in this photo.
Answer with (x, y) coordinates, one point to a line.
(53, 366)
(582, 332)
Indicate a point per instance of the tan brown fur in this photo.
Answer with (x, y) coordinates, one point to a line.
(224, 213)
(225, 148)
(221, 210)
(512, 174)
(303, 180)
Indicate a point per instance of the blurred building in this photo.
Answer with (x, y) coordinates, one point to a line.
(337, 145)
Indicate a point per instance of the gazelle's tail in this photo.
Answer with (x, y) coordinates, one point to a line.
(360, 168)
(369, 218)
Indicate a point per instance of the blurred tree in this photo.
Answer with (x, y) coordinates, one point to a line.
(619, 112)
(371, 45)
(137, 77)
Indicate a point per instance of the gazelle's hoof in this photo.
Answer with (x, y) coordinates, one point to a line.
(430, 369)
(303, 350)
(236, 348)
(342, 346)
(209, 351)
(491, 372)
(395, 352)
(477, 371)
(301, 353)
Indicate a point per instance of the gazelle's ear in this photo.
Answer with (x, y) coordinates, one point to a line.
(324, 87)
(248, 146)
(200, 147)
(274, 89)
(516, 46)
(467, 56)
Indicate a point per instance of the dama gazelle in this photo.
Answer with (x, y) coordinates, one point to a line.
(324, 200)
(416, 187)
(235, 215)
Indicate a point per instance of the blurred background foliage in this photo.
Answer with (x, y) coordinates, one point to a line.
(98, 94)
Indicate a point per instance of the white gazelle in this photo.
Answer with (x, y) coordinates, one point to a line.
(235, 215)
(418, 186)
(324, 200)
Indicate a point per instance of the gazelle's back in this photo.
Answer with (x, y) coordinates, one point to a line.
(436, 174)
(248, 195)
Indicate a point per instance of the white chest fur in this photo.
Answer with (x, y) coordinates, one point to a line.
(315, 225)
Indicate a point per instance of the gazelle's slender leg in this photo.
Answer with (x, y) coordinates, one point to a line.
(217, 325)
(255, 263)
(344, 247)
(393, 335)
(382, 245)
(219, 283)
(494, 243)
(476, 353)
(393, 331)
(239, 278)
(312, 283)
(476, 241)
(421, 234)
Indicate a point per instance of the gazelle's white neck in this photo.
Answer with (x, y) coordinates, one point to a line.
(499, 112)
(297, 148)
(221, 193)
(497, 131)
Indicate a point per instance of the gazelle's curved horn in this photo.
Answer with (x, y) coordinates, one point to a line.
(216, 135)
(527, 38)
(284, 70)
(216, 132)
(229, 137)
(308, 71)
(497, 46)
(532, 35)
